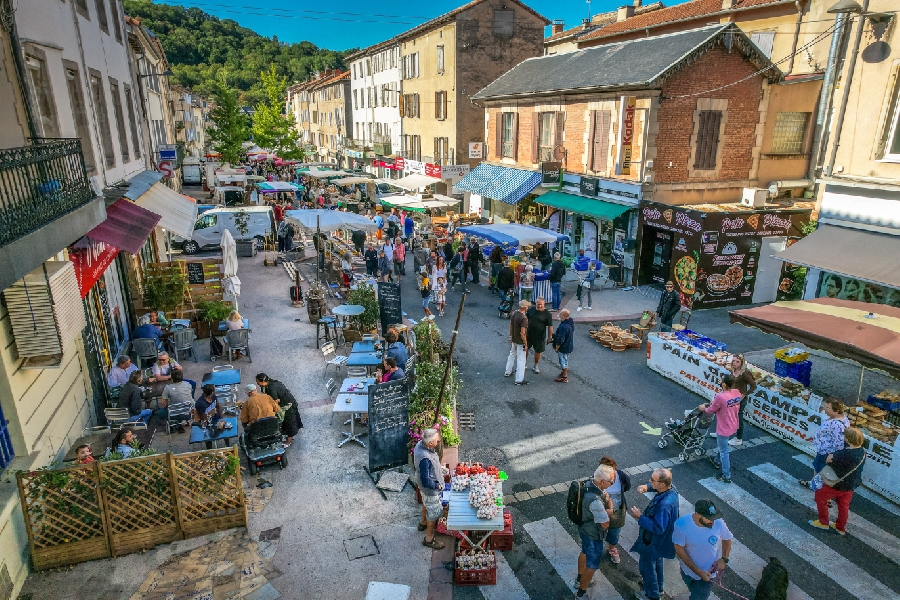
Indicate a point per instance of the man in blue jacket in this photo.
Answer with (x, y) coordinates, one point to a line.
(654, 541)
(564, 343)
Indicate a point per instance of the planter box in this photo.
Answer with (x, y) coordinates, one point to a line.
(201, 328)
(246, 249)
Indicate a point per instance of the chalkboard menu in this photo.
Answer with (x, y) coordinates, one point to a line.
(388, 424)
(389, 304)
(195, 273)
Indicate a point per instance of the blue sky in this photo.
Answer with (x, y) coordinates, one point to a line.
(355, 23)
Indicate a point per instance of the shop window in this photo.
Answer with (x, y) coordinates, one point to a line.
(708, 139)
(120, 118)
(101, 15)
(79, 113)
(790, 132)
(504, 22)
(598, 150)
(42, 93)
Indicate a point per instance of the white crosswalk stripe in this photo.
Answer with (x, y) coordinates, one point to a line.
(834, 566)
(508, 587)
(869, 495)
(561, 550)
(867, 532)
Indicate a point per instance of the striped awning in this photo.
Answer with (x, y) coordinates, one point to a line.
(499, 183)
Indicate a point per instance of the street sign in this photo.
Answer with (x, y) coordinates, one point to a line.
(476, 149)
(168, 152)
(165, 167)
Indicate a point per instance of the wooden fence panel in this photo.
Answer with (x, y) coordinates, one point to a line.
(210, 289)
(210, 495)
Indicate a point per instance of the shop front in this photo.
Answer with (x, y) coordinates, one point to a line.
(721, 254)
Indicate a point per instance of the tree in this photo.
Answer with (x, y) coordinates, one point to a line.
(272, 129)
(230, 129)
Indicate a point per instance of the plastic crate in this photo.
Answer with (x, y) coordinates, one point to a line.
(893, 418)
(467, 577)
(800, 371)
(883, 404)
(783, 355)
(502, 541)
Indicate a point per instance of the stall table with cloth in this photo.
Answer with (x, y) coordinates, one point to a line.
(213, 434)
(461, 518)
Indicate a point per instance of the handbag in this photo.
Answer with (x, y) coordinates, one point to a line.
(617, 520)
(830, 478)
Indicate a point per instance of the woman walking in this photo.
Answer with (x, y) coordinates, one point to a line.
(439, 270)
(399, 258)
(830, 437)
(587, 284)
(745, 383)
(620, 484)
(847, 466)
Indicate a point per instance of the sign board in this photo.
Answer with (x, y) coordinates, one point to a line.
(90, 259)
(627, 135)
(195, 273)
(476, 149)
(165, 167)
(168, 152)
(588, 186)
(450, 171)
(389, 304)
(388, 424)
(414, 166)
(433, 170)
(551, 174)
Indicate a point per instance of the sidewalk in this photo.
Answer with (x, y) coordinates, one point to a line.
(609, 304)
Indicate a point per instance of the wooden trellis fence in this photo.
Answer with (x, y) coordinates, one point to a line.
(81, 513)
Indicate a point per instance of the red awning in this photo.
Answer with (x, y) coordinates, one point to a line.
(127, 226)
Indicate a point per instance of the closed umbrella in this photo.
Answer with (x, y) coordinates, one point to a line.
(230, 281)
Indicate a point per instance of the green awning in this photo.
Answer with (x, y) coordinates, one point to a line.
(384, 202)
(582, 205)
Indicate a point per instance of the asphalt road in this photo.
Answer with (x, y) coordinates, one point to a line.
(549, 433)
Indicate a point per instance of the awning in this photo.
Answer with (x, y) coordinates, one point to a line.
(866, 333)
(415, 181)
(179, 213)
(499, 183)
(277, 186)
(513, 234)
(848, 252)
(127, 226)
(351, 180)
(582, 205)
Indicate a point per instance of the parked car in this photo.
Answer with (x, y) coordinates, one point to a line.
(211, 224)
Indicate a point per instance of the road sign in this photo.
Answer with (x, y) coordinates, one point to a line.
(165, 167)
(168, 152)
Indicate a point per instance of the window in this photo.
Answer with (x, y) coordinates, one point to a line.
(598, 149)
(708, 139)
(441, 150)
(440, 105)
(82, 127)
(82, 8)
(890, 141)
(42, 93)
(120, 118)
(101, 15)
(114, 14)
(764, 40)
(507, 126)
(103, 118)
(790, 132)
(205, 221)
(440, 60)
(504, 22)
(545, 135)
(411, 66)
(354, 70)
(409, 105)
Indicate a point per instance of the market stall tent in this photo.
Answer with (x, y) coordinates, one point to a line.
(325, 221)
(414, 181)
(513, 234)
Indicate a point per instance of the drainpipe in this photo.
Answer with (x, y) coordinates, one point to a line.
(790, 68)
(827, 94)
(846, 93)
(8, 15)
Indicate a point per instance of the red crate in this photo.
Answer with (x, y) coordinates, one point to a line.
(502, 540)
(469, 577)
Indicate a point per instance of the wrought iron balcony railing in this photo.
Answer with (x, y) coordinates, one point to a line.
(40, 183)
(382, 145)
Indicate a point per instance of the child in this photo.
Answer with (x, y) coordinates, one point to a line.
(425, 288)
(84, 455)
(440, 295)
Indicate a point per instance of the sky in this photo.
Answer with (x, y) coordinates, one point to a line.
(357, 23)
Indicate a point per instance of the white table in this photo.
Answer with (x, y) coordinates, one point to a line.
(461, 517)
(351, 403)
(351, 385)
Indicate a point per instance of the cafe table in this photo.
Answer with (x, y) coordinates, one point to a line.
(153, 390)
(365, 346)
(212, 434)
(357, 385)
(353, 404)
(224, 377)
(224, 327)
(99, 441)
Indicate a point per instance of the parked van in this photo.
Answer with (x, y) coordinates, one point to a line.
(211, 224)
(190, 171)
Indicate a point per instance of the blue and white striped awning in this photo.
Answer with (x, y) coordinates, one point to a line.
(499, 183)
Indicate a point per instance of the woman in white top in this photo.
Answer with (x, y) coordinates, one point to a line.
(235, 321)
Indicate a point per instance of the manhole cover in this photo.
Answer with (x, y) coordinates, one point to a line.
(360, 547)
(465, 420)
(486, 455)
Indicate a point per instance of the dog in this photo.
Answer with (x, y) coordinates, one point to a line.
(773, 584)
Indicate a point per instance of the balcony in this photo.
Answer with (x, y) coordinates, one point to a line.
(382, 145)
(46, 203)
(360, 145)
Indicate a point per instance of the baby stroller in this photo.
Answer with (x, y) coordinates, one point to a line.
(506, 303)
(689, 433)
(261, 442)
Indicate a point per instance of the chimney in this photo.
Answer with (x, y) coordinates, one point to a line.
(585, 23)
(557, 26)
(727, 4)
(637, 3)
(628, 11)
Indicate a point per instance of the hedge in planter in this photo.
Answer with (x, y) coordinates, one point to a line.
(431, 354)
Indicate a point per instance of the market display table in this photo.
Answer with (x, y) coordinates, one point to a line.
(357, 385)
(101, 440)
(212, 434)
(541, 286)
(226, 377)
(353, 404)
(461, 518)
(794, 419)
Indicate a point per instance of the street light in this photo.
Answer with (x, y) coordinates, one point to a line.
(166, 73)
(844, 7)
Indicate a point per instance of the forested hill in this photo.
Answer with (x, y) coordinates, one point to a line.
(202, 48)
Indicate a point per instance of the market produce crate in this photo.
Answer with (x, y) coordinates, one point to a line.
(883, 404)
(787, 356)
(799, 370)
(502, 541)
(700, 341)
(469, 577)
(893, 418)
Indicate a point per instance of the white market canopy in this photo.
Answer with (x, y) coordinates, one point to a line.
(414, 182)
(323, 173)
(278, 186)
(351, 180)
(401, 200)
(329, 220)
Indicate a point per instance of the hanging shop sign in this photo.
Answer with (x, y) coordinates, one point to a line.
(90, 259)
(626, 138)
(551, 174)
(452, 171)
(387, 165)
(433, 170)
(165, 168)
(588, 186)
(476, 149)
(415, 167)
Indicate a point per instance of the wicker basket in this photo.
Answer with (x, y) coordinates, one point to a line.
(606, 342)
(619, 347)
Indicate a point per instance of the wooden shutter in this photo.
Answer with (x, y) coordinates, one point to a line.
(590, 145)
(437, 105)
(444, 104)
(437, 149)
(498, 147)
(515, 136)
(558, 150)
(708, 139)
(535, 138)
(416, 102)
(600, 140)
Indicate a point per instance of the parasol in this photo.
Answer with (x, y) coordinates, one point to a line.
(230, 281)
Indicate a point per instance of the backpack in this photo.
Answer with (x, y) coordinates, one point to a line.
(574, 501)
(215, 347)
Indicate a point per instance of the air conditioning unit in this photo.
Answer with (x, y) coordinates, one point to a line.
(754, 197)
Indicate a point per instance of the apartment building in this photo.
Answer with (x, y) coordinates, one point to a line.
(298, 106)
(322, 110)
(375, 88)
(191, 112)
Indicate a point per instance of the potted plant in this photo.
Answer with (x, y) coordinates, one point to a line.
(165, 289)
(244, 247)
(211, 311)
(364, 295)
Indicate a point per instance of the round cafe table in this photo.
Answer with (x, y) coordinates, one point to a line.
(347, 310)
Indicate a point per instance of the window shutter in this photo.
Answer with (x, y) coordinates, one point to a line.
(600, 142)
(708, 139)
(558, 150)
(437, 105)
(437, 148)
(535, 139)
(444, 104)
(498, 146)
(400, 102)
(515, 136)
(591, 133)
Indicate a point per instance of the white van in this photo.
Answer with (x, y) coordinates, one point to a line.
(210, 225)
(190, 170)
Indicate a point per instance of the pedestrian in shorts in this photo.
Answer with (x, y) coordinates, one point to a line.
(428, 476)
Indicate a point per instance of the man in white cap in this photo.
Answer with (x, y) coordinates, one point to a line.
(702, 544)
(258, 405)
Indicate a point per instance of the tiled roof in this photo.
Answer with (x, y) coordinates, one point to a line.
(679, 12)
(600, 20)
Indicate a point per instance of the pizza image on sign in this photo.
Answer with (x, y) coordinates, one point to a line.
(686, 274)
(719, 283)
(753, 221)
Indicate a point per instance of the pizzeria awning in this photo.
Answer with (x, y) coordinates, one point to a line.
(866, 333)
(127, 226)
(582, 205)
(178, 213)
(848, 252)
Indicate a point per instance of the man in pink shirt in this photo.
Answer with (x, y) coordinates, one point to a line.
(727, 407)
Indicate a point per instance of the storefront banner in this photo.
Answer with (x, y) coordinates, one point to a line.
(90, 259)
(588, 186)
(414, 167)
(386, 165)
(399, 164)
(551, 174)
(788, 419)
(433, 170)
(627, 137)
(683, 222)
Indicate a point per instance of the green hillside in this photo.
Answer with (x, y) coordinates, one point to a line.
(202, 48)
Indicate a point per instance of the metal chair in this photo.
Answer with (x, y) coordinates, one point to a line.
(331, 387)
(144, 349)
(179, 413)
(357, 372)
(683, 319)
(183, 341)
(337, 360)
(238, 339)
(116, 417)
(96, 429)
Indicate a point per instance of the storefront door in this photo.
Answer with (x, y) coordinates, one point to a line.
(589, 239)
(768, 271)
(661, 257)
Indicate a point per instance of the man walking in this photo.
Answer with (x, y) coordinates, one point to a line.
(726, 406)
(564, 343)
(428, 476)
(557, 272)
(474, 259)
(457, 268)
(371, 257)
(592, 531)
(518, 337)
(702, 543)
(654, 541)
(540, 330)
